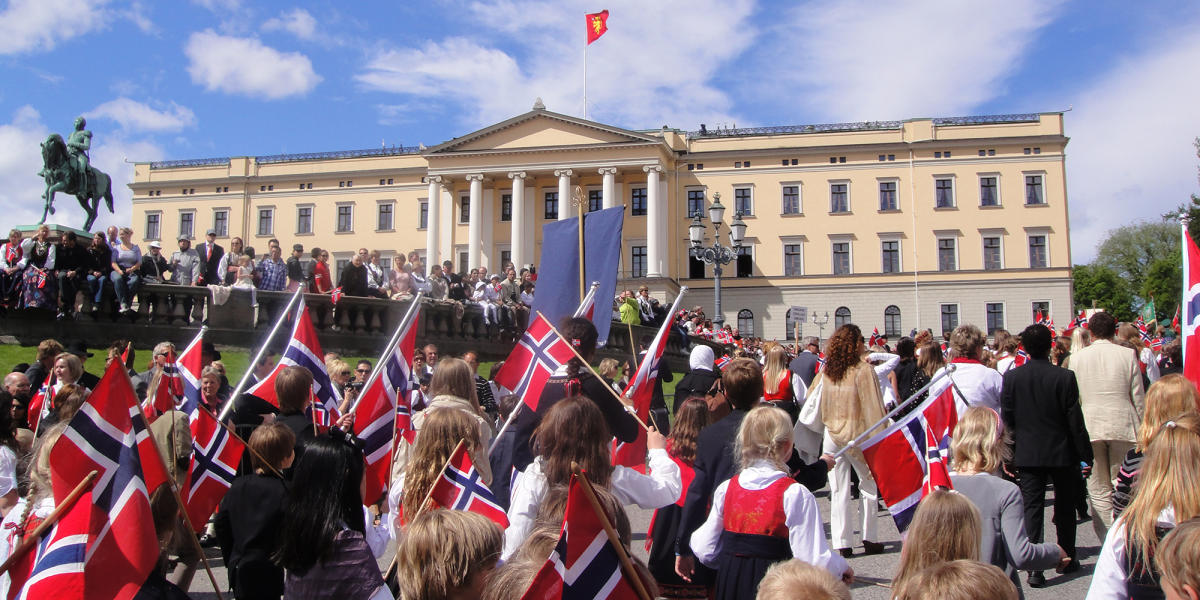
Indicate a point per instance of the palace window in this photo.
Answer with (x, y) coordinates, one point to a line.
(949, 318)
(1033, 190)
(944, 192)
(695, 203)
(1037, 252)
(947, 254)
(345, 219)
(887, 195)
(266, 221)
(595, 200)
(743, 201)
(793, 260)
(988, 195)
(423, 215)
(891, 321)
(637, 202)
(221, 222)
(992, 255)
(551, 206)
(841, 316)
(506, 207)
(891, 256)
(304, 219)
(637, 261)
(152, 225)
(187, 224)
(791, 199)
(839, 197)
(841, 258)
(386, 221)
(995, 317)
(745, 322)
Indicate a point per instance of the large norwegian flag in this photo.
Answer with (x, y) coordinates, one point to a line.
(215, 458)
(167, 395)
(640, 391)
(42, 402)
(899, 456)
(460, 488)
(538, 354)
(303, 350)
(108, 435)
(584, 564)
(189, 363)
(59, 564)
(1191, 308)
(378, 415)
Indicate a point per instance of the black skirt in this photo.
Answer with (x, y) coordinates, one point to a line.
(744, 560)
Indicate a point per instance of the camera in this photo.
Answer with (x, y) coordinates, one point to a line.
(355, 385)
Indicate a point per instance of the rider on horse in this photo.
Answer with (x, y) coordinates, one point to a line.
(78, 144)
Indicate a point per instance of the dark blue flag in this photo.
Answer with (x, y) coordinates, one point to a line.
(557, 294)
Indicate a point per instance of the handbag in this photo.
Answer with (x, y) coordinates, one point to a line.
(809, 431)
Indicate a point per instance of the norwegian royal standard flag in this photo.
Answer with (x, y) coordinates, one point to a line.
(584, 564)
(189, 363)
(460, 488)
(537, 355)
(900, 456)
(303, 350)
(1191, 308)
(108, 435)
(60, 560)
(215, 458)
(641, 390)
(597, 25)
(378, 415)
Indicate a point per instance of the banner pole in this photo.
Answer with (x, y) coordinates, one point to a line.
(241, 386)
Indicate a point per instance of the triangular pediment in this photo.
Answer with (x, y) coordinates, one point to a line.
(540, 129)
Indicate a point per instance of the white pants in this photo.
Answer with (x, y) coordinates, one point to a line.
(841, 523)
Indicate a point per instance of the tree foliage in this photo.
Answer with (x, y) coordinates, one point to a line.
(1163, 283)
(1129, 251)
(1103, 286)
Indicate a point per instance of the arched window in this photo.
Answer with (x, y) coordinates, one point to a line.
(841, 316)
(745, 322)
(891, 321)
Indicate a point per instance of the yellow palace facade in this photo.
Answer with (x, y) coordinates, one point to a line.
(900, 225)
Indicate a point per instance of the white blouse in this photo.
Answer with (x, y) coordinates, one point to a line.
(656, 490)
(8, 533)
(1108, 579)
(806, 533)
(8, 470)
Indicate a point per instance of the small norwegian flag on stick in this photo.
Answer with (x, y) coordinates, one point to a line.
(460, 488)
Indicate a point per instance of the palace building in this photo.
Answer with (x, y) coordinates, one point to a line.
(923, 223)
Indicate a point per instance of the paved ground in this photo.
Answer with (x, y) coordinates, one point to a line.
(874, 573)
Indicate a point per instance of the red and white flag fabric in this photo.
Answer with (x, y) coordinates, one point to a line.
(215, 458)
(166, 396)
(1191, 308)
(336, 295)
(303, 350)
(460, 488)
(1021, 357)
(640, 392)
(874, 341)
(60, 559)
(900, 456)
(587, 306)
(725, 359)
(42, 402)
(189, 364)
(1080, 320)
(584, 564)
(538, 354)
(597, 25)
(377, 418)
(108, 435)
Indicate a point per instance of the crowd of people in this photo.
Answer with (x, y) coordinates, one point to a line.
(1109, 423)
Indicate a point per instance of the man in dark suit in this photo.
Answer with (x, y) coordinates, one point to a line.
(658, 404)
(210, 258)
(742, 387)
(805, 363)
(1040, 406)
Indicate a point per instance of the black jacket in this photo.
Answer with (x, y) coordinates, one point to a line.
(210, 264)
(1040, 406)
(71, 259)
(248, 528)
(696, 382)
(620, 423)
(353, 280)
(153, 267)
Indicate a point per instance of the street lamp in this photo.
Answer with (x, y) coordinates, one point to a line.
(820, 324)
(717, 254)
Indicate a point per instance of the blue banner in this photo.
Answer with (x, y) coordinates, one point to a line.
(557, 294)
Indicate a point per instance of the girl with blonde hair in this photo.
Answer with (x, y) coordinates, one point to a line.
(434, 444)
(761, 515)
(777, 381)
(958, 580)
(1165, 494)
(980, 447)
(447, 555)
(1169, 397)
(945, 528)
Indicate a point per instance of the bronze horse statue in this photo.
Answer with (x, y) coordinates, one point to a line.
(61, 176)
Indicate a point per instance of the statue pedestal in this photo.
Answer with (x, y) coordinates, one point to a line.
(56, 232)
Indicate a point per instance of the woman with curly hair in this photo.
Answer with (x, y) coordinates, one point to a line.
(850, 402)
(436, 440)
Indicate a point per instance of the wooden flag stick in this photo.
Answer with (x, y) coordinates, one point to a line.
(422, 506)
(597, 375)
(613, 538)
(31, 539)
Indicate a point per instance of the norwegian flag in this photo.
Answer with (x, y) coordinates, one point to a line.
(724, 360)
(377, 417)
(108, 435)
(303, 350)
(1143, 331)
(874, 341)
(40, 277)
(215, 458)
(900, 456)
(640, 391)
(336, 295)
(584, 564)
(1156, 344)
(820, 361)
(1080, 320)
(1191, 308)
(42, 402)
(1175, 321)
(60, 561)
(538, 354)
(1021, 357)
(189, 365)
(170, 389)
(459, 488)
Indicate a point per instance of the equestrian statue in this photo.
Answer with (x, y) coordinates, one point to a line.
(66, 168)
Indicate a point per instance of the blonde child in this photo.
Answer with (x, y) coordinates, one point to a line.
(798, 580)
(945, 528)
(958, 580)
(1178, 561)
(447, 555)
(761, 515)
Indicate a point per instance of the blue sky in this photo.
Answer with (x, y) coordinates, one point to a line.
(200, 78)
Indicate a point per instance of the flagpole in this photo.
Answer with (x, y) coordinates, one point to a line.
(662, 330)
(241, 386)
(32, 539)
(1184, 220)
(578, 201)
(585, 48)
(870, 430)
(389, 350)
(626, 565)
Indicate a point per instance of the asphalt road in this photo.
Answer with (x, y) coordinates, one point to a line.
(873, 573)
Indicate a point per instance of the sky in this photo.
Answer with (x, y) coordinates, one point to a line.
(209, 78)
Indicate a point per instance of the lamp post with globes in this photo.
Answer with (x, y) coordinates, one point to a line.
(717, 254)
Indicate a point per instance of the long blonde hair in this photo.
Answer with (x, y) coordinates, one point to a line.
(958, 580)
(765, 434)
(437, 438)
(946, 527)
(442, 550)
(1169, 397)
(1169, 477)
(775, 365)
(979, 441)
(454, 377)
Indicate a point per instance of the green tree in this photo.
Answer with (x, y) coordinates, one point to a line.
(1163, 283)
(1130, 250)
(1102, 286)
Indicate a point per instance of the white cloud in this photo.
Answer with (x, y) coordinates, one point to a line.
(31, 25)
(859, 60)
(650, 69)
(20, 160)
(1131, 155)
(136, 116)
(297, 22)
(246, 66)
(136, 13)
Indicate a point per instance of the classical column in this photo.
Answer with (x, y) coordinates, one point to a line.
(473, 235)
(608, 191)
(566, 210)
(654, 249)
(517, 244)
(432, 216)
